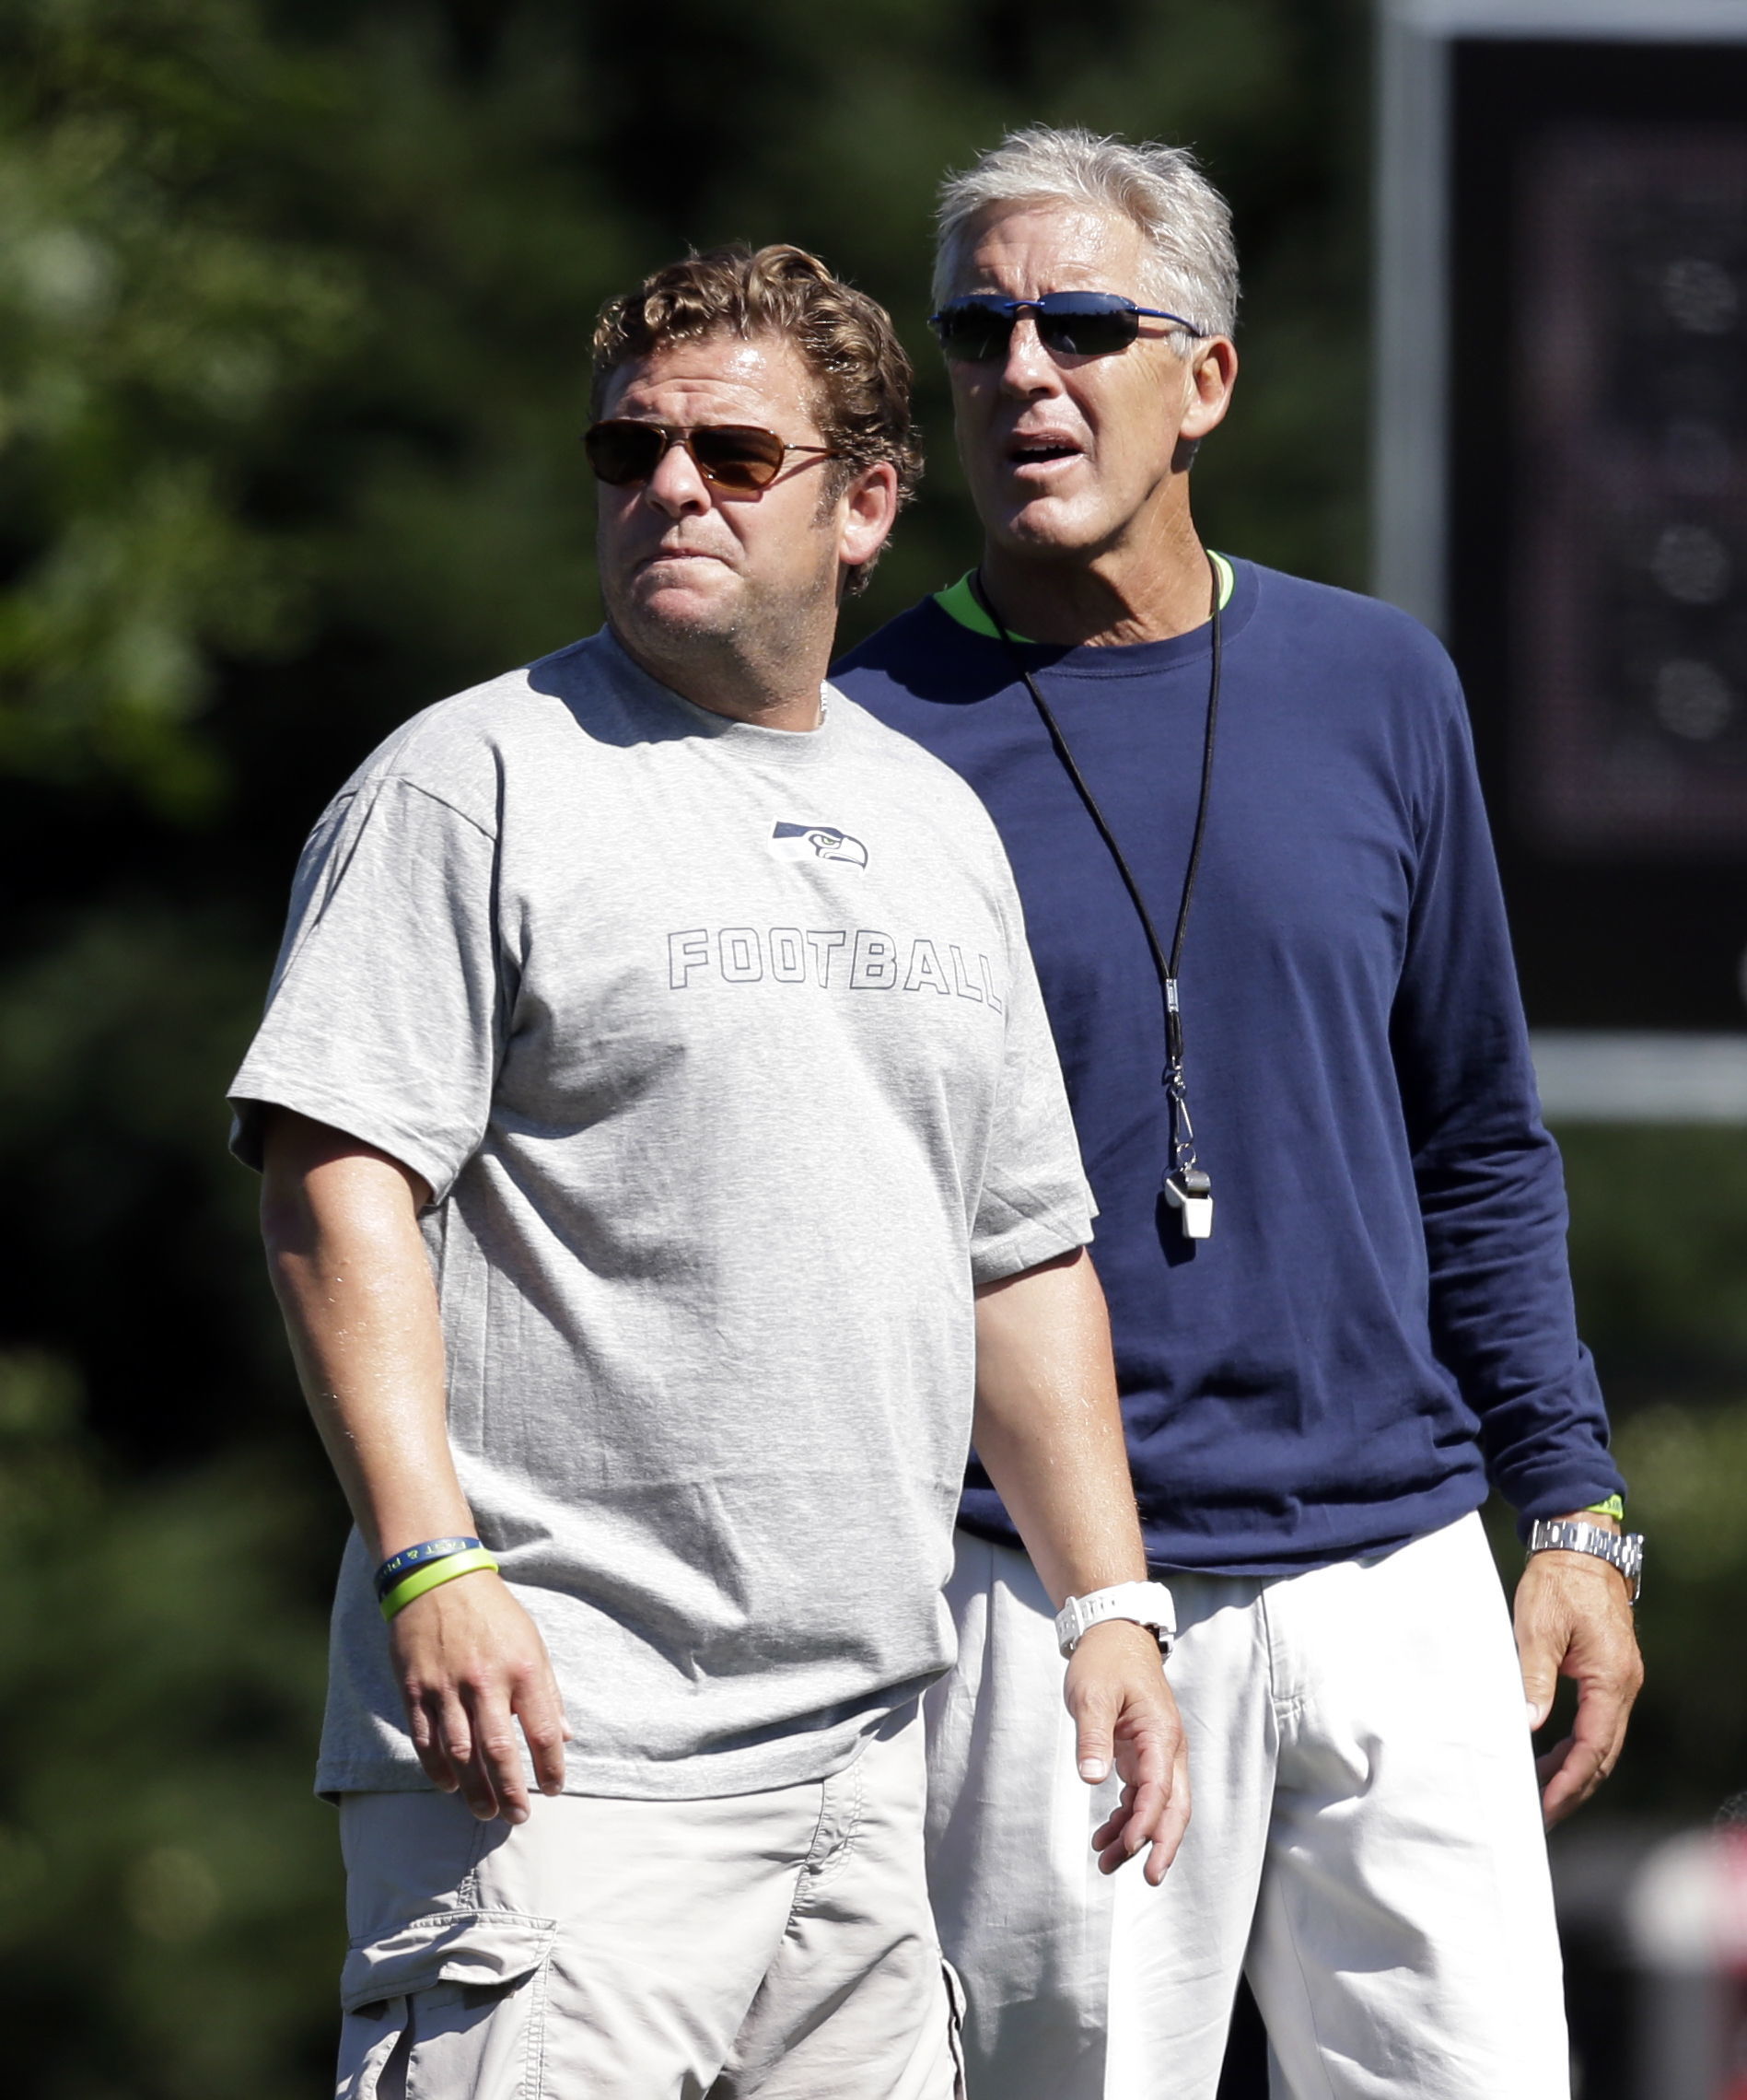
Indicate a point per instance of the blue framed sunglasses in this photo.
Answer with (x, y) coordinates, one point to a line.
(977, 330)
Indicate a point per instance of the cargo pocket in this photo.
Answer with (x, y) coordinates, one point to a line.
(459, 1995)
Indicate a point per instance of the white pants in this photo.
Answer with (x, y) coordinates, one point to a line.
(771, 1944)
(1366, 1845)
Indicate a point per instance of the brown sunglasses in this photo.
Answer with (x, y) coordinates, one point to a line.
(737, 457)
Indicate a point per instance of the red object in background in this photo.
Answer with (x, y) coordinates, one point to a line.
(1734, 1847)
(1687, 1912)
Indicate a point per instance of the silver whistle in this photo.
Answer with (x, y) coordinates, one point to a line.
(1190, 1193)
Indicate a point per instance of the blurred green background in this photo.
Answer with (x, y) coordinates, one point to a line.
(294, 308)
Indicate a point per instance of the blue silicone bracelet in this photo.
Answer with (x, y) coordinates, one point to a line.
(411, 1556)
(434, 1573)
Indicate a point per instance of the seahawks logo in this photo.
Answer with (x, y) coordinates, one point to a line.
(816, 842)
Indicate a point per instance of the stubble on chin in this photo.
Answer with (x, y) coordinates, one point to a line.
(663, 624)
(728, 631)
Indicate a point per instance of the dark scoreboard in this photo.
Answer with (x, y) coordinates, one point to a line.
(1594, 531)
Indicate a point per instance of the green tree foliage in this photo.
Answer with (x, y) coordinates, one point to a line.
(294, 311)
(166, 1924)
(156, 327)
(1662, 1296)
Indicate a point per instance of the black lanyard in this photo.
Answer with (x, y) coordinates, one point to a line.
(1186, 1182)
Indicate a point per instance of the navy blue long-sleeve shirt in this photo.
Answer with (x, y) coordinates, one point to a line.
(1382, 1317)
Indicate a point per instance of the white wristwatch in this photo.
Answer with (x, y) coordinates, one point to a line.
(1147, 1604)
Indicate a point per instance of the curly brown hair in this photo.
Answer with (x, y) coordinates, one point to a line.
(845, 339)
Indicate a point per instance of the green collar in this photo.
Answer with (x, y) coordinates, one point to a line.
(960, 601)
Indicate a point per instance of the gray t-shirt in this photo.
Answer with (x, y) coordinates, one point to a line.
(721, 1052)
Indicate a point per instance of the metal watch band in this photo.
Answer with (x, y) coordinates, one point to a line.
(1624, 1551)
(1146, 1604)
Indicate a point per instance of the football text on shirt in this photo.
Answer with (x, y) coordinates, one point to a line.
(859, 959)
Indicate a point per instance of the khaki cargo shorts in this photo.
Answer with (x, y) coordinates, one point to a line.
(773, 1944)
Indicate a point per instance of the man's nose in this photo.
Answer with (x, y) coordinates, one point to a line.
(676, 485)
(1029, 369)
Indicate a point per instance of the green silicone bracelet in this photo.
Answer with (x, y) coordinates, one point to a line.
(432, 1573)
(1614, 1507)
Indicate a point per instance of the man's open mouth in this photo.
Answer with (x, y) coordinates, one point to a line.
(1040, 451)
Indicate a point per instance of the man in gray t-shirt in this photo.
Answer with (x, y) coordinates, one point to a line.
(664, 1152)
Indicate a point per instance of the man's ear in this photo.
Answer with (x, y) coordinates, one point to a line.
(1212, 372)
(869, 509)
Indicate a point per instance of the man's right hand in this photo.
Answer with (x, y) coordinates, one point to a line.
(472, 1667)
(1116, 1691)
(341, 1219)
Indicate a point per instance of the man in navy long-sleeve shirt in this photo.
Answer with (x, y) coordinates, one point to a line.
(1379, 1326)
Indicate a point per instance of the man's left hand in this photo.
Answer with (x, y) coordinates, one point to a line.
(1124, 1710)
(1574, 1619)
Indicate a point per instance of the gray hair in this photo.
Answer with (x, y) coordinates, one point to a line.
(1192, 263)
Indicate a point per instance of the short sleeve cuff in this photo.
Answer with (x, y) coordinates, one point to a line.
(1028, 1241)
(436, 1165)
